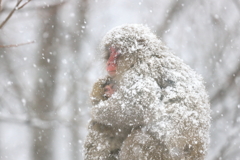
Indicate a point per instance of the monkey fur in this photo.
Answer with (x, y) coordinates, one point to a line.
(160, 100)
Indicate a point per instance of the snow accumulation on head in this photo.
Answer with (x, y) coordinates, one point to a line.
(130, 40)
(160, 93)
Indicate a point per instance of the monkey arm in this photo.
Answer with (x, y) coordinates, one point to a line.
(133, 104)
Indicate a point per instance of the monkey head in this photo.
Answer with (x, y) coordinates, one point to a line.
(128, 45)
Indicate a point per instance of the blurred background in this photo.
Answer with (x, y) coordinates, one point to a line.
(49, 59)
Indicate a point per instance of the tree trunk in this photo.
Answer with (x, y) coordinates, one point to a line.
(47, 68)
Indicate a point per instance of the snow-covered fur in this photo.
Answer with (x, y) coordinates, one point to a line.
(160, 95)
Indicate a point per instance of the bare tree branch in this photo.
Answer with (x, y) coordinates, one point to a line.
(10, 14)
(20, 7)
(36, 7)
(16, 45)
(17, 7)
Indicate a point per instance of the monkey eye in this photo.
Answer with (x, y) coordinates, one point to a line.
(115, 50)
(141, 41)
(107, 54)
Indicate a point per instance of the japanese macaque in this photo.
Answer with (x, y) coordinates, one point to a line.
(104, 141)
(159, 106)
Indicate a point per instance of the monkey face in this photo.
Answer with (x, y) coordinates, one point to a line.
(118, 63)
(126, 46)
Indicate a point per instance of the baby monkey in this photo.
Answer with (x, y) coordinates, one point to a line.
(102, 90)
(109, 88)
(99, 134)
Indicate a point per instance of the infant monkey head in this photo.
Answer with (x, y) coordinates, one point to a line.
(109, 88)
(102, 90)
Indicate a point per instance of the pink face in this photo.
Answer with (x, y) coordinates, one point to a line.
(109, 90)
(112, 62)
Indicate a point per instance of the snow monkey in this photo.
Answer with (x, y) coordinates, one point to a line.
(104, 141)
(159, 109)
